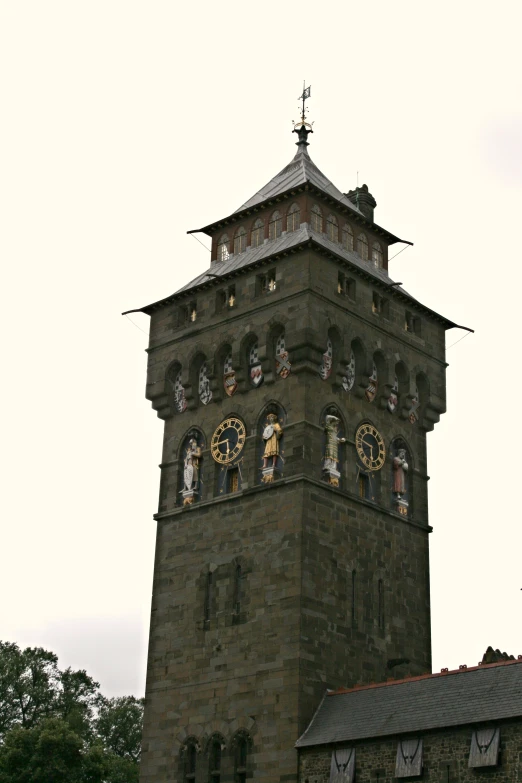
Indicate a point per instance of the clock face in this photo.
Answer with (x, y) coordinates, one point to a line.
(228, 440)
(370, 447)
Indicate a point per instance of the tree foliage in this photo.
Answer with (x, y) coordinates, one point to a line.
(56, 726)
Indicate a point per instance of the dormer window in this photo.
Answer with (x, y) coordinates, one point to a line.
(275, 226)
(223, 251)
(316, 219)
(258, 233)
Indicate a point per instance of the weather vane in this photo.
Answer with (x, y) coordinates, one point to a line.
(303, 124)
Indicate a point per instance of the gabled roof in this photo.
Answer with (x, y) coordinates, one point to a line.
(455, 698)
(299, 171)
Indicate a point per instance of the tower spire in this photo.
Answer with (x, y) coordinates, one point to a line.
(303, 128)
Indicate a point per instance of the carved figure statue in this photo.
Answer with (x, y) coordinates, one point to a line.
(400, 468)
(191, 470)
(271, 435)
(331, 454)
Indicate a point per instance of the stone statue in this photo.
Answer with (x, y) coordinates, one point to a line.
(331, 454)
(271, 435)
(191, 471)
(400, 468)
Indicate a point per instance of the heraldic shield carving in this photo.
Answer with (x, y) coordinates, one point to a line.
(205, 394)
(282, 360)
(180, 403)
(413, 413)
(325, 370)
(371, 390)
(229, 376)
(256, 371)
(393, 399)
(349, 377)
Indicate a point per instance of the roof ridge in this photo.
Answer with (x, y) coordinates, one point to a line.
(430, 675)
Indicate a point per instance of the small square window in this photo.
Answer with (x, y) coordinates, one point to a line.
(266, 283)
(412, 323)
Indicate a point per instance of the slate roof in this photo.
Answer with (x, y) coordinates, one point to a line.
(454, 698)
(288, 241)
(300, 170)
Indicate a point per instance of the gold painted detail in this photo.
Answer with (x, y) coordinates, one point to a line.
(228, 440)
(370, 447)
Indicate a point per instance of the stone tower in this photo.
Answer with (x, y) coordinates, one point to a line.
(297, 383)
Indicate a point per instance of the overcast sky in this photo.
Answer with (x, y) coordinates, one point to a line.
(124, 125)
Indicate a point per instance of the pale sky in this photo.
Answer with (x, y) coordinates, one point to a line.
(125, 124)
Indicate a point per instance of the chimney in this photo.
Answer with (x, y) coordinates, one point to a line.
(363, 200)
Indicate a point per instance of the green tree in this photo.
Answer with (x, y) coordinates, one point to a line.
(119, 726)
(56, 727)
(32, 688)
(48, 752)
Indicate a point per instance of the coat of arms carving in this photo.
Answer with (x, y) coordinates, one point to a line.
(325, 369)
(256, 371)
(229, 376)
(205, 394)
(282, 361)
(371, 390)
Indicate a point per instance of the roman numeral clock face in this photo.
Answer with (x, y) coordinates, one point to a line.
(228, 440)
(370, 447)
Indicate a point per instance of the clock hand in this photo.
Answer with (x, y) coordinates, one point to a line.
(222, 441)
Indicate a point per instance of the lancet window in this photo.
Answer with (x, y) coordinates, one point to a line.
(275, 226)
(240, 240)
(332, 228)
(316, 219)
(293, 218)
(258, 233)
(362, 246)
(223, 251)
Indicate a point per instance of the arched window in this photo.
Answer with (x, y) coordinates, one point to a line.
(377, 254)
(316, 219)
(362, 246)
(293, 218)
(241, 758)
(275, 226)
(214, 761)
(332, 228)
(347, 238)
(240, 241)
(190, 762)
(258, 233)
(223, 251)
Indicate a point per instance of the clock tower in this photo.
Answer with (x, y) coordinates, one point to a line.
(296, 381)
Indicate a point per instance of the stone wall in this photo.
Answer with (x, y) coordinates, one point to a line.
(298, 540)
(445, 751)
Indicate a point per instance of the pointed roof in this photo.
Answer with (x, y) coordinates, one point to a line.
(299, 171)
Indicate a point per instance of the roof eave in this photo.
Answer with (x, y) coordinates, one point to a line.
(391, 288)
